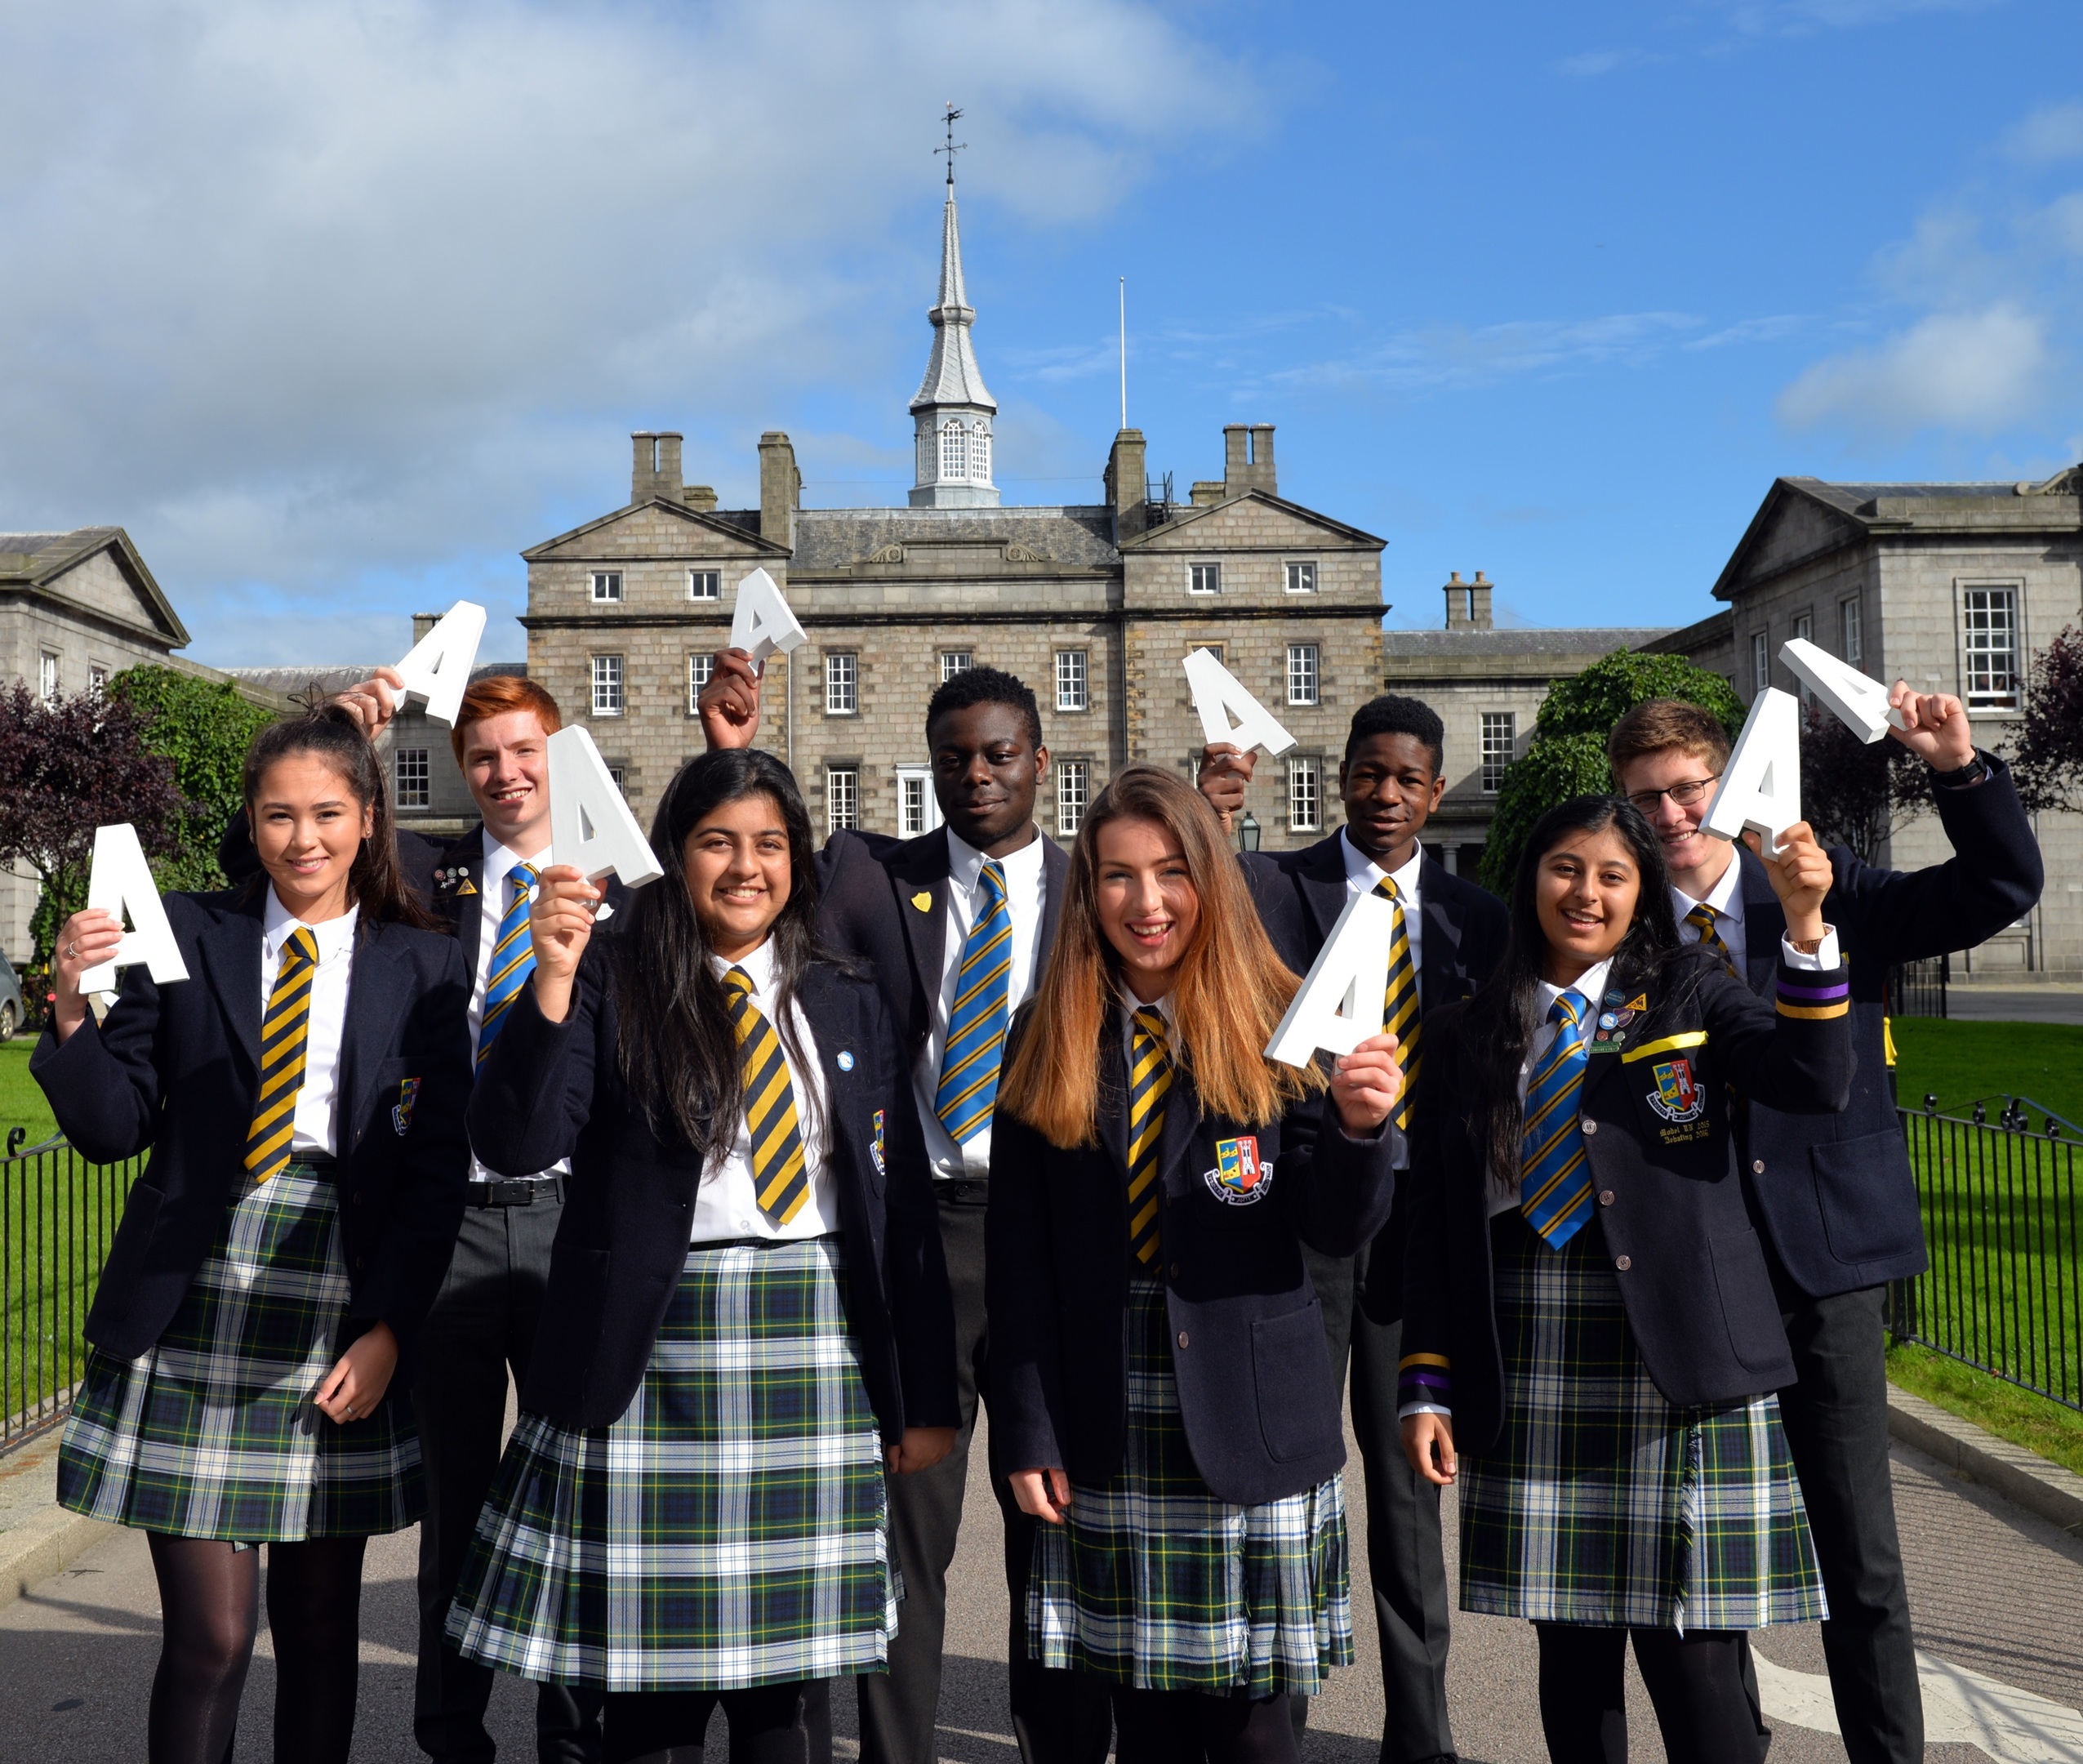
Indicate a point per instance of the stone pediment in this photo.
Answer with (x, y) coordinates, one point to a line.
(96, 572)
(1252, 519)
(660, 529)
(1790, 528)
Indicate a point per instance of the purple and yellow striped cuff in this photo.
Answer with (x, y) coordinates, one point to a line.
(1832, 998)
(1424, 1377)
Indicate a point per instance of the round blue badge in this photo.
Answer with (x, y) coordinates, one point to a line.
(1609, 1021)
(846, 1062)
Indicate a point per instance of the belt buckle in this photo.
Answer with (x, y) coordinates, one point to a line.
(520, 1191)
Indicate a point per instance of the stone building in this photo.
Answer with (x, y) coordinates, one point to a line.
(1093, 605)
(1950, 586)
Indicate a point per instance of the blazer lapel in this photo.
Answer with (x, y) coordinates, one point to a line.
(1321, 875)
(1055, 871)
(378, 990)
(1764, 923)
(1114, 1094)
(467, 855)
(1442, 975)
(231, 957)
(919, 872)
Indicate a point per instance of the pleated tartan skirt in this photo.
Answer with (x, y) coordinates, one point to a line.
(1605, 1503)
(729, 1530)
(1152, 1581)
(212, 1432)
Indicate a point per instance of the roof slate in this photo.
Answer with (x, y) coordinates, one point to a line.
(834, 538)
(1601, 640)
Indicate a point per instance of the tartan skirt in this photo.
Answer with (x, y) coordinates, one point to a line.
(211, 1432)
(1152, 1581)
(729, 1530)
(1604, 1504)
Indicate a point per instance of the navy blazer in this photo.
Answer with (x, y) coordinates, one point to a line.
(177, 1069)
(547, 1091)
(1835, 1198)
(884, 902)
(1260, 1407)
(1463, 930)
(1654, 1112)
(455, 875)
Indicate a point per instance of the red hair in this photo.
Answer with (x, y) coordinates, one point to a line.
(497, 694)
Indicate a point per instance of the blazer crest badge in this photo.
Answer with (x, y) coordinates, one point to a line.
(401, 1112)
(875, 1145)
(1677, 1096)
(1241, 1178)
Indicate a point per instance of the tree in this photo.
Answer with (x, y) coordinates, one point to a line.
(1566, 757)
(2048, 758)
(68, 765)
(1855, 793)
(204, 727)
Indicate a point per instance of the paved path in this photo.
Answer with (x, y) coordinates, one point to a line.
(1997, 1595)
(2054, 1002)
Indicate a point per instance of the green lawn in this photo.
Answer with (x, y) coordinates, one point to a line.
(2004, 1409)
(1960, 1062)
(21, 1103)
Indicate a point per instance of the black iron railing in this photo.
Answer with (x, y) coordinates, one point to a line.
(2004, 1219)
(1918, 988)
(58, 1215)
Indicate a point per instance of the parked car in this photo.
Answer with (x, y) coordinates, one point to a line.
(12, 1012)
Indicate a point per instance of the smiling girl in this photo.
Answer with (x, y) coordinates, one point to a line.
(747, 1325)
(302, 1094)
(1162, 1397)
(1590, 1337)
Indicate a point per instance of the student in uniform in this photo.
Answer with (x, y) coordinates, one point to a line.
(747, 1323)
(1835, 1199)
(1158, 1370)
(1451, 933)
(955, 925)
(255, 1329)
(1591, 1335)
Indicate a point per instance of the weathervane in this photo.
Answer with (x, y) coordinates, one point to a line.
(953, 146)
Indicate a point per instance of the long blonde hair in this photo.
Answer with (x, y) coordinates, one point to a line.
(1231, 990)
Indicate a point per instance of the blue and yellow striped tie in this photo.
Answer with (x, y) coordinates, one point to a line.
(1400, 1003)
(975, 1027)
(285, 1032)
(1555, 1183)
(1150, 1080)
(513, 958)
(780, 1177)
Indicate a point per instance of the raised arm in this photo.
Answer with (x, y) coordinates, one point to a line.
(101, 1079)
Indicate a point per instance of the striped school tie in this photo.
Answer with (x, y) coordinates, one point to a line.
(1555, 1185)
(513, 958)
(285, 1033)
(1149, 1078)
(1702, 919)
(975, 1027)
(780, 1178)
(1400, 1003)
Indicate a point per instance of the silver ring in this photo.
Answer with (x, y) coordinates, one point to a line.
(350, 1411)
(71, 949)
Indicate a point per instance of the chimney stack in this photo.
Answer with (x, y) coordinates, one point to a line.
(780, 488)
(422, 623)
(1128, 484)
(644, 466)
(1468, 603)
(1479, 595)
(1262, 458)
(1236, 459)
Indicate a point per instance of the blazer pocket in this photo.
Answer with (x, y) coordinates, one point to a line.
(1866, 1197)
(1749, 1311)
(1291, 1365)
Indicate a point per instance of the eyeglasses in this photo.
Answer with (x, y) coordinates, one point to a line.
(1685, 795)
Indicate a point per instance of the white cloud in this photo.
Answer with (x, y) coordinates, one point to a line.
(1800, 17)
(336, 299)
(2051, 133)
(1595, 63)
(1974, 372)
(1453, 356)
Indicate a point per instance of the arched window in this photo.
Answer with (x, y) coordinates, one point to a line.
(926, 450)
(979, 452)
(954, 451)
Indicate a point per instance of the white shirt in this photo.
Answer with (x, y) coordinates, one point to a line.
(1026, 893)
(314, 1127)
(1726, 899)
(1130, 1004)
(492, 907)
(1362, 876)
(726, 1205)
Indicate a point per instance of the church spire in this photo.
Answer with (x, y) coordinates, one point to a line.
(952, 413)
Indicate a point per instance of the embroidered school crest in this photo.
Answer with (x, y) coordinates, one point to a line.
(1240, 1177)
(400, 1113)
(1678, 1098)
(875, 1145)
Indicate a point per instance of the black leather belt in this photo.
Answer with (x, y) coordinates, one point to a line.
(520, 1190)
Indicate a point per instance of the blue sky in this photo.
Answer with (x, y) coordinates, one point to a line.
(336, 308)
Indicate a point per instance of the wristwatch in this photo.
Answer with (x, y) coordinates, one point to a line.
(1973, 773)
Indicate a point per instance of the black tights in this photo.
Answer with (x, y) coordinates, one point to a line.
(210, 1594)
(1189, 1726)
(1695, 1681)
(768, 1726)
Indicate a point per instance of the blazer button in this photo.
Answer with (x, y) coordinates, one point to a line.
(1589, 1125)
(1757, 1166)
(1605, 1197)
(1623, 1262)
(1175, 1271)
(1183, 1338)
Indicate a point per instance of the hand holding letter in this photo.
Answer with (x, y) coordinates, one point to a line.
(729, 704)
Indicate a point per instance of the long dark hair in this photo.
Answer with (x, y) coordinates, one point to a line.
(1500, 1018)
(677, 1048)
(331, 735)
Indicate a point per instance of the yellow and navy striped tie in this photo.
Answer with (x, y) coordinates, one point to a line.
(513, 958)
(1555, 1183)
(975, 1027)
(780, 1178)
(1150, 1080)
(1400, 1003)
(1702, 919)
(285, 1033)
